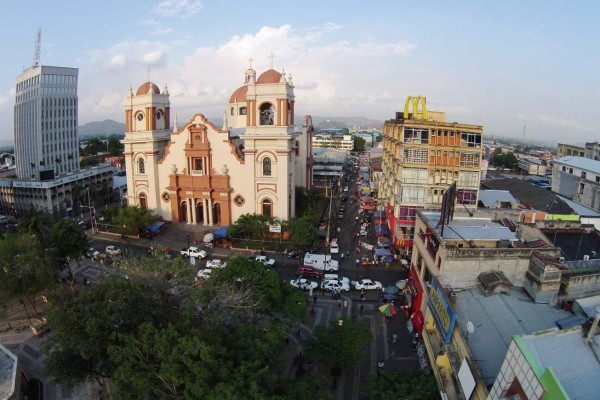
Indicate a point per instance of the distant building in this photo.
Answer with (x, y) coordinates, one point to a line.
(569, 150)
(46, 122)
(328, 165)
(46, 148)
(531, 165)
(422, 156)
(344, 142)
(577, 178)
(592, 150)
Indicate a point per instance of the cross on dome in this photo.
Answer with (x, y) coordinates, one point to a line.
(272, 56)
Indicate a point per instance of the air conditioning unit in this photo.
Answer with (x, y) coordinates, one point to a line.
(586, 257)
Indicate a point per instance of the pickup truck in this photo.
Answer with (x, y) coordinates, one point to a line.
(193, 252)
(268, 262)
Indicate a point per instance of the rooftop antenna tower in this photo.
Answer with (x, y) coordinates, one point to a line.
(38, 47)
(524, 131)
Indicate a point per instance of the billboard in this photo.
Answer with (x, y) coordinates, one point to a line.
(440, 308)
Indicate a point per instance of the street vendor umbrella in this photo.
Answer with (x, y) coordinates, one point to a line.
(388, 259)
(388, 309)
(209, 237)
(391, 289)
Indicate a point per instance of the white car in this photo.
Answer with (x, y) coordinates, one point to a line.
(335, 285)
(304, 284)
(362, 232)
(367, 284)
(335, 277)
(216, 263)
(334, 248)
(264, 260)
(204, 273)
(92, 253)
(345, 188)
(113, 250)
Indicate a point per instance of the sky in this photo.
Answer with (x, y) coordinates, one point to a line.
(521, 69)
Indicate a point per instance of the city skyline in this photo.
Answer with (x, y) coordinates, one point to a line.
(517, 69)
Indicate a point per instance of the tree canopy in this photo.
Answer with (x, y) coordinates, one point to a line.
(215, 341)
(360, 144)
(67, 242)
(350, 338)
(134, 219)
(409, 385)
(36, 222)
(500, 159)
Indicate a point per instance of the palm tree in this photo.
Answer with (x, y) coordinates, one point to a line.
(36, 222)
(77, 195)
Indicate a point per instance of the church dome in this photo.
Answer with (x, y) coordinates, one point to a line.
(270, 76)
(239, 96)
(147, 88)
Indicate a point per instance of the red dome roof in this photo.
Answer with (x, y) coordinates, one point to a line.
(147, 88)
(270, 76)
(239, 95)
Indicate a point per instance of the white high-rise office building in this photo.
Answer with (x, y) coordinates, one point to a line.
(46, 122)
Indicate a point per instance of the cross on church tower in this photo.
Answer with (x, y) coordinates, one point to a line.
(272, 56)
(250, 62)
(148, 72)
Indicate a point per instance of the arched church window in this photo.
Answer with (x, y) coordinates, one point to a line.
(266, 166)
(267, 114)
(141, 166)
(266, 206)
(232, 111)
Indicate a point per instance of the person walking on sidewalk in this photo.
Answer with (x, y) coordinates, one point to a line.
(357, 263)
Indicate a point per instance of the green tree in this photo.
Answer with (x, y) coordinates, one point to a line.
(302, 204)
(77, 195)
(23, 272)
(251, 226)
(350, 338)
(84, 324)
(134, 219)
(115, 147)
(303, 230)
(36, 222)
(360, 144)
(408, 385)
(67, 242)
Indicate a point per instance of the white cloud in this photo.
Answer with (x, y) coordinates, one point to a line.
(153, 58)
(340, 78)
(116, 63)
(178, 8)
(559, 122)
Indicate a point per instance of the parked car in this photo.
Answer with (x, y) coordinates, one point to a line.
(309, 271)
(92, 253)
(335, 277)
(113, 250)
(304, 284)
(367, 284)
(362, 232)
(216, 263)
(266, 261)
(332, 285)
(340, 215)
(342, 208)
(345, 188)
(204, 273)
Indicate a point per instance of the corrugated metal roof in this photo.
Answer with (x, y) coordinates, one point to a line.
(571, 358)
(470, 228)
(493, 198)
(579, 208)
(579, 162)
(496, 319)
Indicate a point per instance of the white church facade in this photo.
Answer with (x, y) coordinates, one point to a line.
(202, 174)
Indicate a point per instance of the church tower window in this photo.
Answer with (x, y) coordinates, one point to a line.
(267, 114)
(242, 110)
(266, 166)
(267, 208)
(141, 166)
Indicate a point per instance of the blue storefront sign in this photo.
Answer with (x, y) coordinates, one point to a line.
(443, 314)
